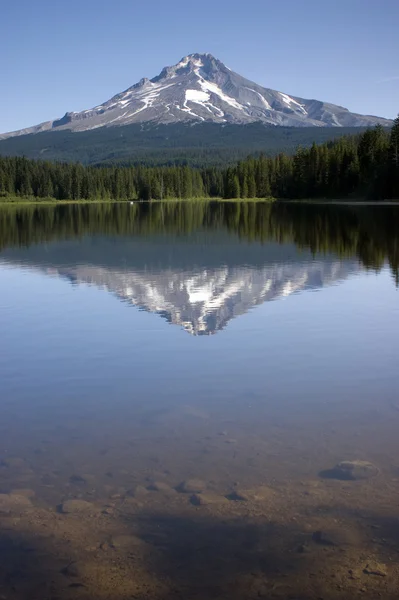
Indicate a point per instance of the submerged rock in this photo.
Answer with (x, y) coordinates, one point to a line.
(108, 511)
(351, 470)
(338, 535)
(375, 568)
(358, 469)
(76, 506)
(207, 499)
(238, 496)
(161, 486)
(137, 492)
(192, 486)
(255, 494)
(332, 537)
(13, 503)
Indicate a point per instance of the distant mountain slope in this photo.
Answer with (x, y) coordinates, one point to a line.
(200, 88)
(178, 143)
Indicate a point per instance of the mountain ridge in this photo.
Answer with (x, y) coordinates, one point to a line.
(199, 89)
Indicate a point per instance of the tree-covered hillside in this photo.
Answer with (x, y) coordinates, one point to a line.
(199, 145)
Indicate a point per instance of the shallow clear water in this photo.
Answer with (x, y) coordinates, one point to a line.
(253, 347)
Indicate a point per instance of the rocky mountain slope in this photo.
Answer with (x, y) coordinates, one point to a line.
(198, 89)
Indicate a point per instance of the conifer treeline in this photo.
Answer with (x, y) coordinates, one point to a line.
(366, 165)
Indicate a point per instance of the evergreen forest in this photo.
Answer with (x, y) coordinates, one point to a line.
(364, 166)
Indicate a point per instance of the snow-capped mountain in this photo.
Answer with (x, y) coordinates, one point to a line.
(201, 88)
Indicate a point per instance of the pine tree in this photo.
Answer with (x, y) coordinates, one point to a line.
(394, 160)
(394, 143)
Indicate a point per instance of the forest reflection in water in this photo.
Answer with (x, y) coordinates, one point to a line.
(368, 232)
(137, 461)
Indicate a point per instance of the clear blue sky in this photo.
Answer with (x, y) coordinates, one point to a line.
(64, 56)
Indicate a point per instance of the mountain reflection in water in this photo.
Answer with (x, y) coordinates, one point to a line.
(183, 261)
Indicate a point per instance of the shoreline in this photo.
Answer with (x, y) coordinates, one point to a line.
(15, 201)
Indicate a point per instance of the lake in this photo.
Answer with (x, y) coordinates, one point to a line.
(199, 400)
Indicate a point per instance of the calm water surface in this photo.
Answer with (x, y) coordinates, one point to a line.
(251, 347)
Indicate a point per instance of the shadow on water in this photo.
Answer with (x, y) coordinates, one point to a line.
(188, 558)
(337, 474)
(200, 557)
(207, 557)
(28, 567)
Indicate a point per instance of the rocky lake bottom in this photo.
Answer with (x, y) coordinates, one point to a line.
(200, 507)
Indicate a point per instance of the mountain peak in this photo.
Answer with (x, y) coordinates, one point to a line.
(189, 64)
(197, 58)
(201, 88)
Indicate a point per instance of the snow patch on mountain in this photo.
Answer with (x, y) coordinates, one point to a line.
(207, 86)
(197, 96)
(291, 102)
(261, 98)
(202, 98)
